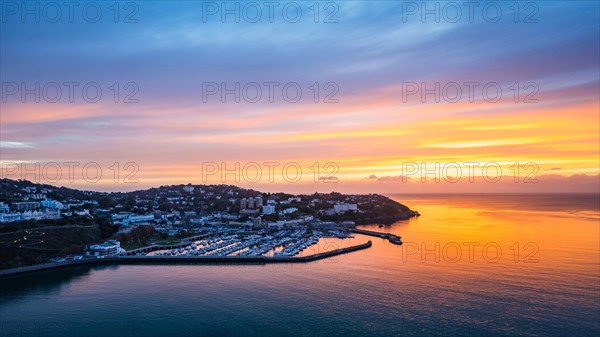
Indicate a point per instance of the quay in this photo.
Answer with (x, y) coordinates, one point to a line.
(395, 239)
(128, 259)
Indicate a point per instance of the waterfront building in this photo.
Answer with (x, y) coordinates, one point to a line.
(110, 247)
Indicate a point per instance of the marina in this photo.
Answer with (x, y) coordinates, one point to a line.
(283, 243)
(164, 259)
(229, 247)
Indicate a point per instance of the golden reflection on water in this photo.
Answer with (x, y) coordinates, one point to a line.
(489, 240)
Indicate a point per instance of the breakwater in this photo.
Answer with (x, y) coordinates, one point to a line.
(393, 238)
(125, 259)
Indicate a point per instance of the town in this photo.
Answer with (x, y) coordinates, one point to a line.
(40, 223)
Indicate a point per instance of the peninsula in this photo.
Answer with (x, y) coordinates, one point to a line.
(41, 224)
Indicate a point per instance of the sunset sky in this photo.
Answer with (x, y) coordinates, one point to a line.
(374, 135)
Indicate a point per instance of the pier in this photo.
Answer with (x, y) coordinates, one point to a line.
(127, 259)
(393, 238)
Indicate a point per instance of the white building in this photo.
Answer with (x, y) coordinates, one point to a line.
(10, 217)
(41, 215)
(268, 209)
(110, 247)
(52, 204)
(37, 196)
(139, 218)
(290, 200)
(289, 210)
(342, 208)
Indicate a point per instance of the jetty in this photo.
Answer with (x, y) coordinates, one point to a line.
(393, 238)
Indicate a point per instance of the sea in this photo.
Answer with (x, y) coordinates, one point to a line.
(470, 265)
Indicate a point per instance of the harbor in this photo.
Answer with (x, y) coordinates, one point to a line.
(161, 259)
(231, 243)
(226, 246)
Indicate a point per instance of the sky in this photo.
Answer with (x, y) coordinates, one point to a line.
(355, 96)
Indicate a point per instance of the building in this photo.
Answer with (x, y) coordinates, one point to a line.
(140, 218)
(52, 204)
(229, 217)
(4, 207)
(120, 216)
(189, 214)
(10, 217)
(342, 208)
(251, 203)
(110, 247)
(188, 189)
(103, 213)
(243, 203)
(289, 210)
(250, 211)
(26, 206)
(258, 202)
(290, 200)
(41, 215)
(279, 224)
(37, 196)
(268, 209)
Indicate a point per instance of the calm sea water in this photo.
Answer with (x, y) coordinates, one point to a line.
(471, 265)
